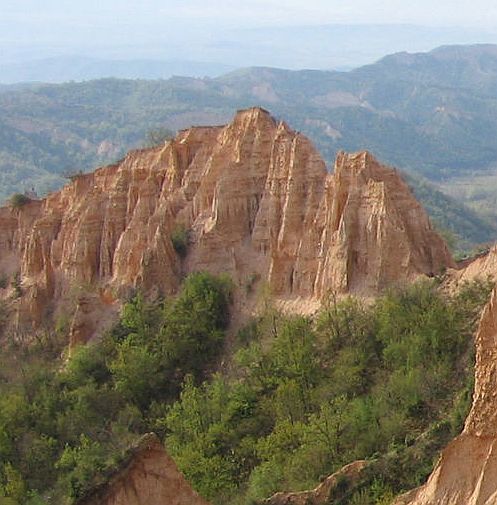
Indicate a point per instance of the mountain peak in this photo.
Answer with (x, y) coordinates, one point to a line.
(254, 115)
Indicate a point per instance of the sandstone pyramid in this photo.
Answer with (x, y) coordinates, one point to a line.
(257, 202)
(147, 477)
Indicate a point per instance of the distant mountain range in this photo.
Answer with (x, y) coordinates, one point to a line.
(336, 46)
(156, 51)
(80, 68)
(432, 113)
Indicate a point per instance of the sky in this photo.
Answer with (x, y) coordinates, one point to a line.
(192, 28)
(424, 12)
(58, 14)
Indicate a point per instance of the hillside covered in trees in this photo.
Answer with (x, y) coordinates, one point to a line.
(407, 109)
(286, 401)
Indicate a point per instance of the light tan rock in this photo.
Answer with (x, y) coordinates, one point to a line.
(483, 266)
(148, 477)
(466, 473)
(258, 203)
(95, 313)
(375, 233)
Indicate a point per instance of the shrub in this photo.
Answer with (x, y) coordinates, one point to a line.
(179, 238)
(250, 283)
(16, 285)
(81, 463)
(4, 281)
(74, 175)
(158, 136)
(18, 200)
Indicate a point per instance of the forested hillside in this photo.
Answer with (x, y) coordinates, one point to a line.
(294, 397)
(430, 113)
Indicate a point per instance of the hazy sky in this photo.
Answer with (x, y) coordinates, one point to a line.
(438, 12)
(42, 27)
(235, 13)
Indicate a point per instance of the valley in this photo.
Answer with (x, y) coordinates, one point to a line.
(407, 109)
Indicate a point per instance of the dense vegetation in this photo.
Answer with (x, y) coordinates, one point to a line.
(432, 114)
(64, 425)
(390, 382)
(292, 400)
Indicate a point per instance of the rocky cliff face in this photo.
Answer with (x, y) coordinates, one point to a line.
(148, 477)
(467, 471)
(257, 202)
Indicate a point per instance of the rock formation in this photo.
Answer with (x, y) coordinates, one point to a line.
(483, 266)
(257, 202)
(147, 477)
(332, 488)
(466, 473)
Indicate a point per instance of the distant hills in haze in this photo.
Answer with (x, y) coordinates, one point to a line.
(197, 50)
(337, 46)
(433, 114)
(60, 69)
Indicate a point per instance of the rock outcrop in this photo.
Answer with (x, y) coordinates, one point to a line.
(257, 202)
(484, 266)
(331, 489)
(466, 473)
(147, 477)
